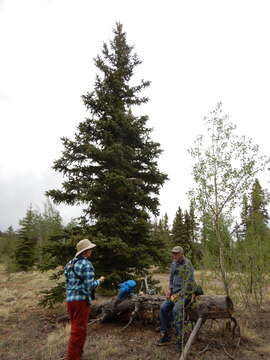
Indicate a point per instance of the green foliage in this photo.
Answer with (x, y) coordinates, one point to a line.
(184, 232)
(23, 249)
(254, 247)
(241, 229)
(54, 295)
(210, 259)
(25, 253)
(178, 228)
(8, 242)
(224, 169)
(57, 251)
(111, 169)
(161, 234)
(49, 225)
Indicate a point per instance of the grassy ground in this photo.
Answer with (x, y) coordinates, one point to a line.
(28, 332)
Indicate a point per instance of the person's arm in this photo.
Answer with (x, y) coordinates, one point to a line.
(169, 293)
(87, 272)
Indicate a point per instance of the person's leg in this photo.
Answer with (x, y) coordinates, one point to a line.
(166, 316)
(71, 352)
(79, 314)
(165, 322)
(84, 324)
(179, 317)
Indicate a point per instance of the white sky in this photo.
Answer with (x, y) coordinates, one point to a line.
(195, 52)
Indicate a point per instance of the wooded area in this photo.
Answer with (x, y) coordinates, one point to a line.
(111, 169)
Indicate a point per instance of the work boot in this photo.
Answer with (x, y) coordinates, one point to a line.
(164, 339)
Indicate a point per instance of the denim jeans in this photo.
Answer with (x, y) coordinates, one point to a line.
(169, 312)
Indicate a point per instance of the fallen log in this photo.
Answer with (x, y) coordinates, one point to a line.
(211, 307)
(145, 308)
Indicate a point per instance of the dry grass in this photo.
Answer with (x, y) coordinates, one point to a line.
(28, 332)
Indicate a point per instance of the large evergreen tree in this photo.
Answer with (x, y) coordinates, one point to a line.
(111, 167)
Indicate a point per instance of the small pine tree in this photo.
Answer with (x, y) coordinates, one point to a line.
(165, 222)
(161, 234)
(241, 229)
(259, 203)
(186, 236)
(8, 242)
(49, 226)
(25, 253)
(178, 228)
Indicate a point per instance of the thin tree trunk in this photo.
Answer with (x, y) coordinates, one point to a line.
(221, 259)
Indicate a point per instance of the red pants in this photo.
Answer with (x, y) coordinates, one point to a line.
(78, 313)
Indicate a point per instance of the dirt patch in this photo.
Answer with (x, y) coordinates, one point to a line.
(36, 335)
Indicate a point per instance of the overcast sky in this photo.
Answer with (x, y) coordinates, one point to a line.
(195, 53)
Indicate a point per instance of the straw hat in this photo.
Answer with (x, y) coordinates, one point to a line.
(83, 245)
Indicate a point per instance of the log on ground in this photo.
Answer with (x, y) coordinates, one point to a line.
(145, 308)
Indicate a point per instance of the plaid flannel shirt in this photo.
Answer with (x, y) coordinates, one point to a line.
(75, 288)
(182, 277)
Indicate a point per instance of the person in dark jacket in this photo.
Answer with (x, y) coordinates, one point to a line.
(80, 282)
(181, 286)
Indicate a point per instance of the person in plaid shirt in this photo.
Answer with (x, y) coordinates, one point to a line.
(80, 283)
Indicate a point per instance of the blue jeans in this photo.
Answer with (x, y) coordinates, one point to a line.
(169, 312)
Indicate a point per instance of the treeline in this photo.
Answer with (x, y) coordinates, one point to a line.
(43, 242)
(23, 249)
(42, 239)
(246, 248)
(183, 231)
